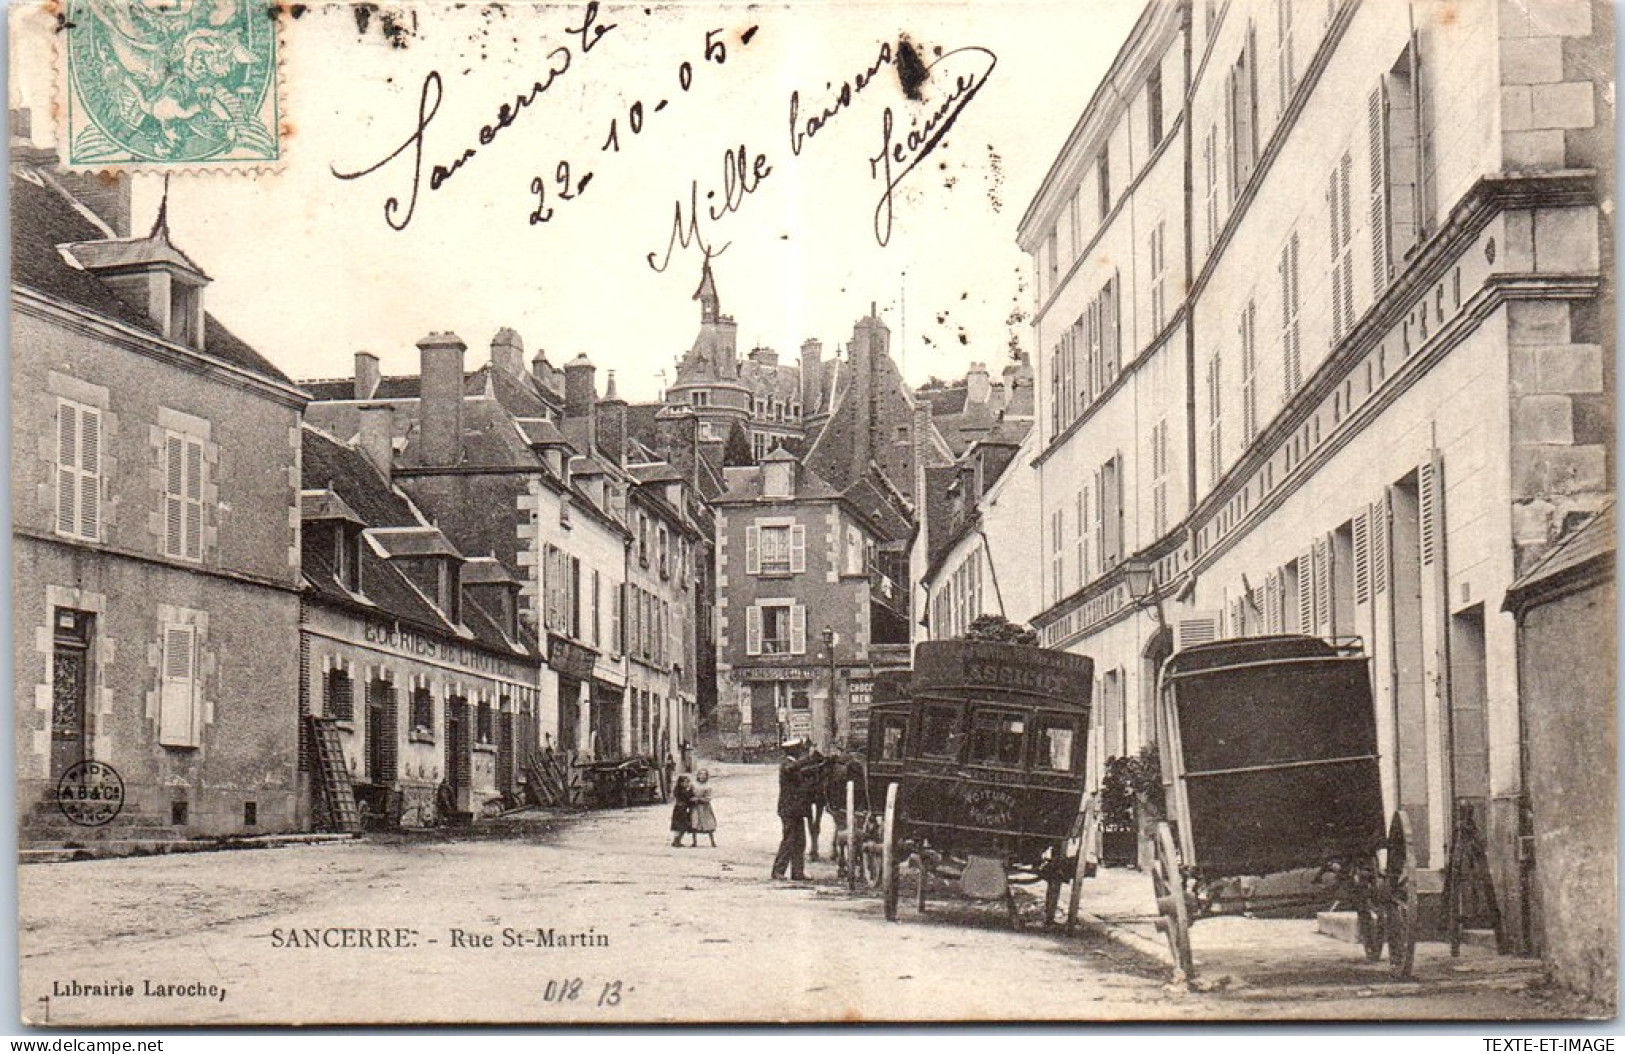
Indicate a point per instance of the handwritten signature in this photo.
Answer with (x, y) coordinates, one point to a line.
(590, 30)
(925, 136)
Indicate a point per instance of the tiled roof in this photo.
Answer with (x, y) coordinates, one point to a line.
(42, 220)
(1594, 540)
(325, 505)
(331, 464)
(413, 541)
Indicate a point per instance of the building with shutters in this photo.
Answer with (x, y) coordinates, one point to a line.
(413, 649)
(155, 529)
(1352, 381)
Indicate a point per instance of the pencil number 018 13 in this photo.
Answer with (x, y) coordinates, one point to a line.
(575, 989)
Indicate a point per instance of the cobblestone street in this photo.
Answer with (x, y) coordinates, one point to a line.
(693, 935)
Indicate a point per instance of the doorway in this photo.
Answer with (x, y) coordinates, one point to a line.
(70, 679)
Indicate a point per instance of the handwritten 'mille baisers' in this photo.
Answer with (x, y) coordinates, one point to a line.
(954, 78)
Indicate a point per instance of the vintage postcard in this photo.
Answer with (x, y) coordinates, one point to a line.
(582, 512)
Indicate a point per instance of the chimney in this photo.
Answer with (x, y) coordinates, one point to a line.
(978, 387)
(812, 376)
(367, 375)
(508, 353)
(440, 405)
(580, 405)
(612, 423)
(377, 437)
(677, 434)
(868, 345)
(764, 356)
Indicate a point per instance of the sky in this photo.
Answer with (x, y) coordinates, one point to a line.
(309, 268)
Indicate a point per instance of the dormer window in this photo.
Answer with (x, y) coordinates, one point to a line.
(450, 596)
(185, 313)
(347, 556)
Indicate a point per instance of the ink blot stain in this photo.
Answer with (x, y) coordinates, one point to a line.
(911, 69)
(363, 16)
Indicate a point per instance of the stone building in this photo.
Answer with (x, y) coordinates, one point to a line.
(1329, 367)
(531, 469)
(416, 651)
(155, 529)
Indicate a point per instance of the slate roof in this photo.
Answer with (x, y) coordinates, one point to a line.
(325, 505)
(394, 522)
(42, 220)
(1589, 547)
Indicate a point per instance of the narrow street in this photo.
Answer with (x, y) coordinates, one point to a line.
(694, 935)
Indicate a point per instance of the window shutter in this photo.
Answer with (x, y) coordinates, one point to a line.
(174, 500)
(753, 630)
(1306, 591)
(1377, 131)
(1237, 623)
(177, 697)
(1430, 502)
(1379, 546)
(1362, 557)
(753, 550)
(194, 499)
(616, 600)
(67, 464)
(798, 549)
(1345, 225)
(1323, 587)
(1334, 209)
(90, 466)
(1274, 621)
(798, 630)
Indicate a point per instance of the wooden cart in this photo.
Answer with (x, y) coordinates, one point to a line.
(1269, 763)
(981, 770)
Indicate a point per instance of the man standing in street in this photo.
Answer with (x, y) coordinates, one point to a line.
(794, 801)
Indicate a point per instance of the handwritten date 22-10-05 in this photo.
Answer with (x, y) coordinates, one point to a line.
(565, 185)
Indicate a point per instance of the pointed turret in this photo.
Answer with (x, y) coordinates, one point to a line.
(706, 294)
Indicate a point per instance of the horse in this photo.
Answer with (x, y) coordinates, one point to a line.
(828, 779)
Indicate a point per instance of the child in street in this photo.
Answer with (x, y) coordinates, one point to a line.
(701, 818)
(682, 798)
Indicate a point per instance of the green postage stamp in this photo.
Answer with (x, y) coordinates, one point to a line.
(170, 83)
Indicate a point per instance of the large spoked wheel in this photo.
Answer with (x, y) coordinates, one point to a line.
(1371, 934)
(888, 853)
(923, 868)
(1370, 924)
(1400, 878)
(1170, 889)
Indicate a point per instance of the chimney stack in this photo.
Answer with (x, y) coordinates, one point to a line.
(508, 353)
(440, 404)
(367, 375)
(868, 345)
(377, 437)
(677, 434)
(612, 423)
(580, 405)
(978, 386)
(812, 376)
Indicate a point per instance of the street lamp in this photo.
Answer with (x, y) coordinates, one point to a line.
(829, 648)
(1141, 580)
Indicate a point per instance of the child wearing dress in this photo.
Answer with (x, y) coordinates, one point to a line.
(682, 797)
(701, 818)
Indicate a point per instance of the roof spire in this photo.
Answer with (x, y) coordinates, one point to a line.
(706, 294)
(160, 227)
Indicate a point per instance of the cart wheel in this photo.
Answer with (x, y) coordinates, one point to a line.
(1170, 889)
(1400, 875)
(919, 889)
(1075, 897)
(888, 853)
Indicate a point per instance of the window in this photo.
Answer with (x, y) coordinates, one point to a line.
(597, 607)
(617, 642)
(1399, 119)
(890, 735)
(1153, 106)
(1109, 487)
(422, 710)
(643, 540)
(183, 497)
(1057, 560)
(1286, 72)
(177, 702)
(1291, 349)
(1249, 374)
(1052, 261)
(1342, 247)
(663, 544)
(1210, 165)
(1159, 478)
(939, 732)
(1083, 526)
(1215, 418)
(996, 738)
(775, 549)
(776, 627)
(1057, 744)
(855, 548)
(698, 398)
(78, 470)
(1159, 276)
(1074, 224)
(1241, 116)
(338, 700)
(1103, 181)
(484, 724)
(347, 556)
